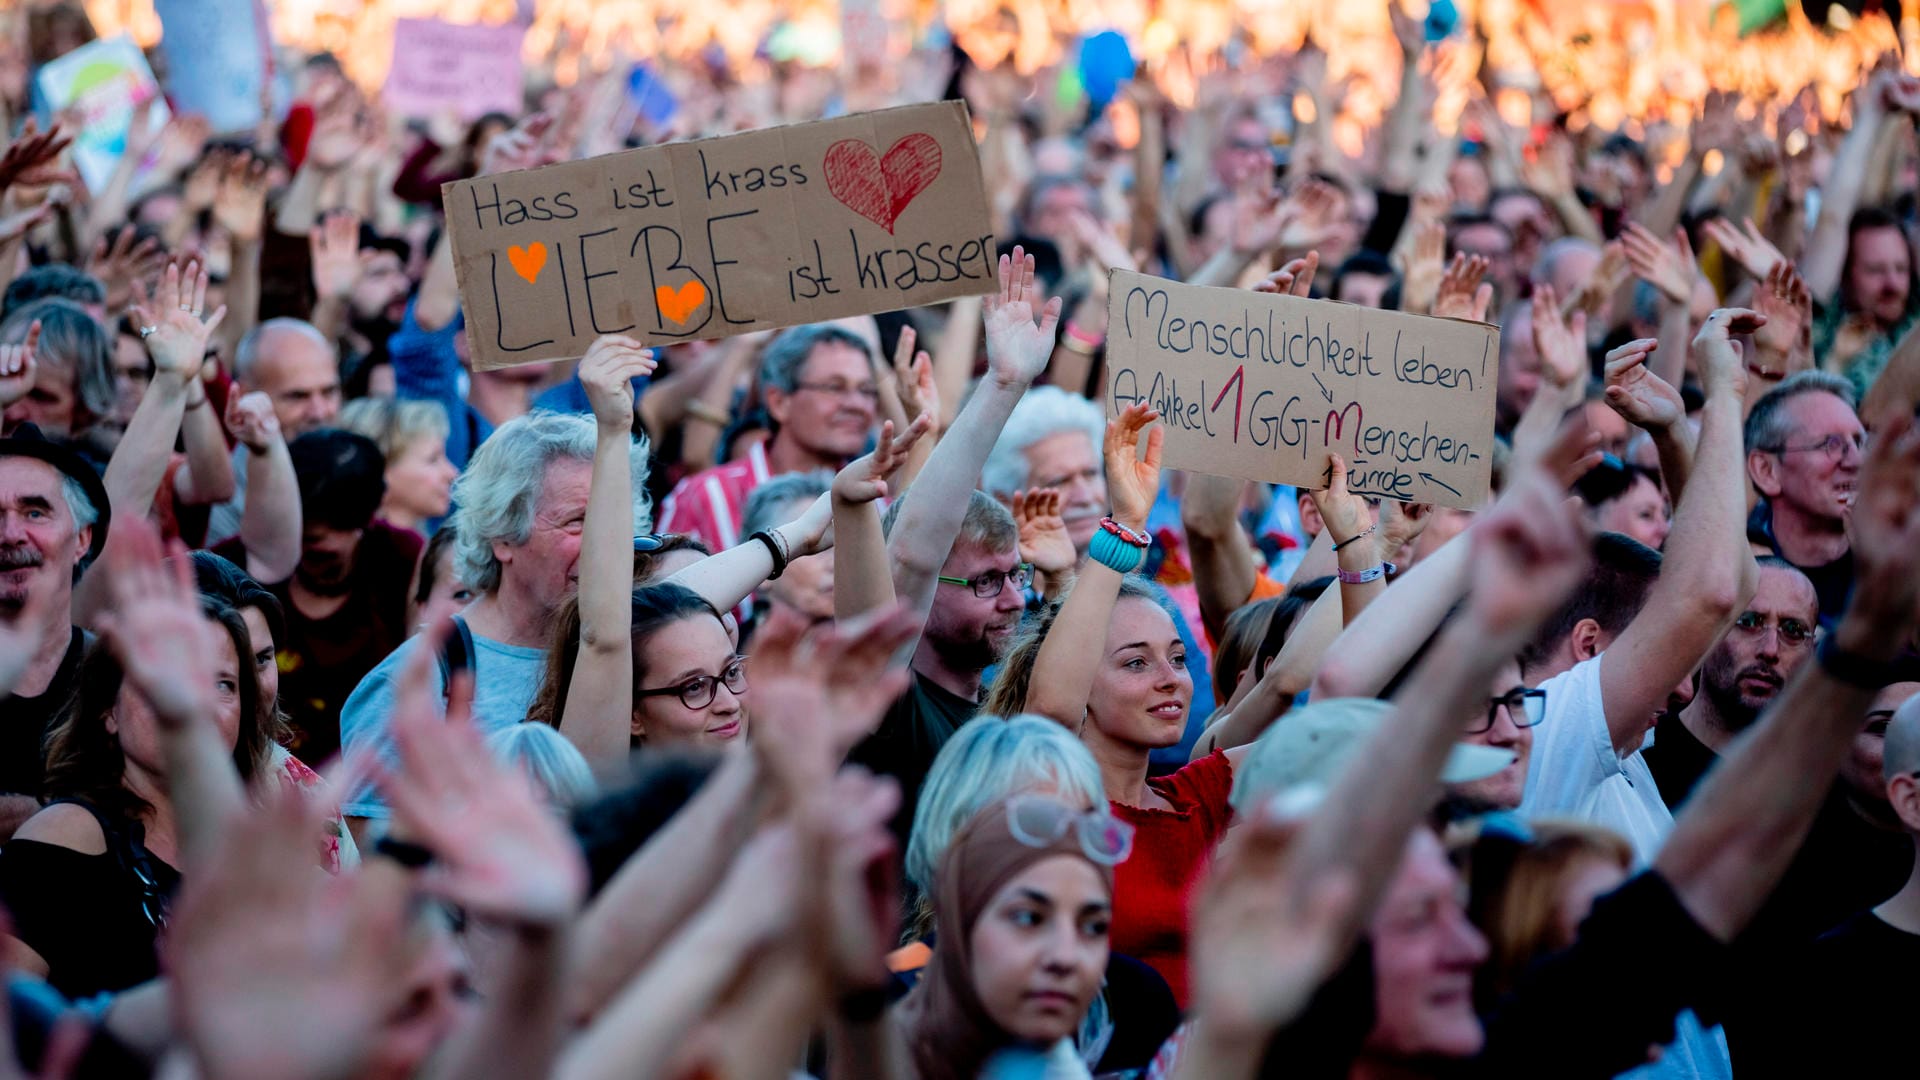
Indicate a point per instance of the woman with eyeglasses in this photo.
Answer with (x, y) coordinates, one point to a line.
(88, 879)
(1023, 906)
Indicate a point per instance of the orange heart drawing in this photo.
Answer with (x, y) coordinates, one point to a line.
(680, 304)
(528, 260)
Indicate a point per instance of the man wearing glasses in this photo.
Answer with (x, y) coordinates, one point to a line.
(821, 394)
(1804, 448)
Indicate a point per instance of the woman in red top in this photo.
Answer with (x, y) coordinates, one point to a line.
(1110, 665)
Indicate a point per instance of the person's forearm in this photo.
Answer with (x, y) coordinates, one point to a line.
(711, 405)
(1223, 573)
(729, 577)
(1069, 658)
(208, 477)
(861, 580)
(243, 298)
(520, 1027)
(1538, 425)
(139, 462)
(1578, 220)
(1662, 212)
(1191, 180)
(330, 317)
(1286, 676)
(1707, 558)
(1377, 645)
(107, 209)
(1674, 342)
(1826, 251)
(769, 1017)
(270, 523)
(924, 532)
(953, 358)
(1675, 447)
(1207, 1054)
(201, 783)
(660, 885)
(1883, 165)
(300, 205)
(439, 298)
(1356, 558)
(664, 405)
(1223, 270)
(1747, 819)
(1149, 167)
(1071, 368)
(636, 1036)
(599, 712)
(1400, 156)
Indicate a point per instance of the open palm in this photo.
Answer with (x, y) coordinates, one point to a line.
(178, 341)
(1642, 398)
(1044, 540)
(1018, 347)
(1133, 482)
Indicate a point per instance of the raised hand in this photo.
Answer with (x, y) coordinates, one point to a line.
(498, 850)
(1401, 524)
(1461, 294)
(203, 183)
(1717, 356)
(240, 202)
(1642, 398)
(1562, 344)
(171, 325)
(276, 974)
(1346, 515)
(1044, 540)
(16, 225)
(1293, 279)
(1420, 279)
(855, 910)
(1884, 530)
(29, 160)
(1598, 291)
(252, 421)
(1133, 482)
(913, 377)
(813, 695)
(1529, 553)
(521, 147)
(864, 479)
(156, 628)
(1747, 245)
(1101, 251)
(339, 130)
(1264, 940)
(607, 372)
(1018, 348)
(1668, 268)
(334, 247)
(1785, 343)
(122, 262)
(18, 363)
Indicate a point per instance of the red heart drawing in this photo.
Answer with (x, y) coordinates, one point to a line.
(879, 187)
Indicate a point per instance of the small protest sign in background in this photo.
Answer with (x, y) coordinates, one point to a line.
(97, 86)
(469, 70)
(688, 241)
(1266, 387)
(216, 54)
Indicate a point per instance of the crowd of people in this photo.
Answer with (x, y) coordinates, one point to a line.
(946, 734)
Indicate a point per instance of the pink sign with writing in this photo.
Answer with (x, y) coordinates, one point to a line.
(441, 66)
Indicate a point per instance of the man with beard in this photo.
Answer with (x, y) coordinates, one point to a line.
(53, 520)
(822, 395)
(1805, 445)
(346, 602)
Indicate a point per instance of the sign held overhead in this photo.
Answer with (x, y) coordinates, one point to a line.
(1267, 387)
(689, 241)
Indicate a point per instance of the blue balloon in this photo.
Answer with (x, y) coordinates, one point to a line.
(1106, 61)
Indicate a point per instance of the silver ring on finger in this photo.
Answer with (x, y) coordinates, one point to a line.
(148, 331)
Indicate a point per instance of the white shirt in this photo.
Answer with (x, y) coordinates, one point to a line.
(1575, 773)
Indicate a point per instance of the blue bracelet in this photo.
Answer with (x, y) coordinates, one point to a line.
(1116, 554)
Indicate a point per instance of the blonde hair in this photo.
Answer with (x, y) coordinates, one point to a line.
(394, 425)
(1517, 887)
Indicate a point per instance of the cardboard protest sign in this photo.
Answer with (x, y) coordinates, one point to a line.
(101, 81)
(216, 54)
(696, 240)
(1265, 387)
(439, 66)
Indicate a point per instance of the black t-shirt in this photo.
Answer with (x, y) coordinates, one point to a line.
(24, 722)
(322, 660)
(87, 915)
(1845, 1006)
(910, 737)
(1832, 582)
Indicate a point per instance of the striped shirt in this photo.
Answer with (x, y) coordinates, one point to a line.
(709, 504)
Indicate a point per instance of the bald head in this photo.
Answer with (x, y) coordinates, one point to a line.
(1903, 740)
(293, 363)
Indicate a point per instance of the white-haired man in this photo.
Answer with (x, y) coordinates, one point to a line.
(521, 505)
(1052, 440)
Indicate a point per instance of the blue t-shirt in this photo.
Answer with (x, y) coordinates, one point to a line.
(506, 677)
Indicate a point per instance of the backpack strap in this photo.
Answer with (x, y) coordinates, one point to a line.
(457, 654)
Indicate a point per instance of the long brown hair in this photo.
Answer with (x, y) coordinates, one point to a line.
(654, 608)
(84, 759)
(1516, 886)
(1008, 694)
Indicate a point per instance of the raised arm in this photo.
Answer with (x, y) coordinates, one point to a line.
(208, 477)
(1826, 253)
(1400, 155)
(240, 208)
(270, 523)
(1708, 571)
(1672, 271)
(599, 714)
(1650, 403)
(1747, 820)
(729, 577)
(1223, 570)
(1018, 347)
(861, 582)
(1069, 659)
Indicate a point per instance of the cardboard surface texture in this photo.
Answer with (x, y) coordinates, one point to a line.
(688, 241)
(1266, 387)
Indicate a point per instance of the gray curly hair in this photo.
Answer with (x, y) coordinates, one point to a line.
(496, 497)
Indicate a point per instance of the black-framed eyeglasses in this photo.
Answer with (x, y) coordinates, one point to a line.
(837, 389)
(1833, 446)
(988, 585)
(699, 691)
(1792, 630)
(1527, 706)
